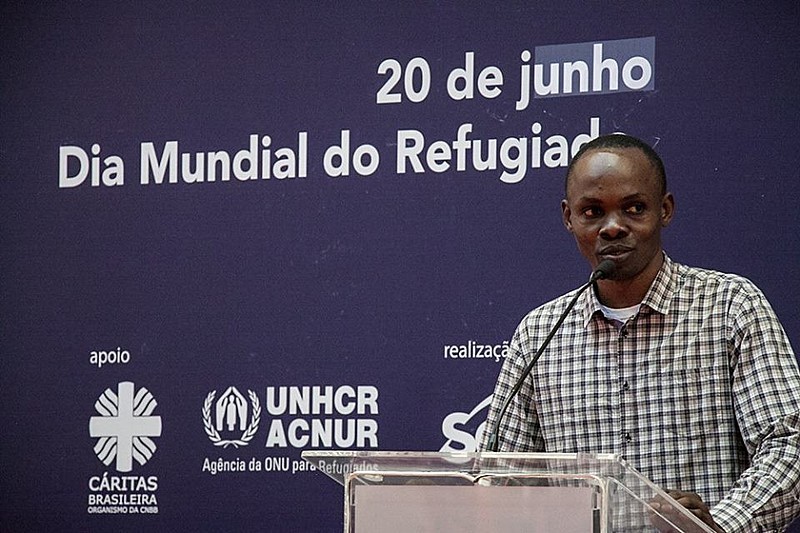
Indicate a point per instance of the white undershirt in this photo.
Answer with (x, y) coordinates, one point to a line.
(620, 316)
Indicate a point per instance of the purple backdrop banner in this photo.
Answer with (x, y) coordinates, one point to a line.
(234, 231)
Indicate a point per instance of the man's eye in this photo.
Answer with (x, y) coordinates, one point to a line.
(592, 212)
(635, 209)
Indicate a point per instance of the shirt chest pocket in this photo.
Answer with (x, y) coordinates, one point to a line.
(690, 403)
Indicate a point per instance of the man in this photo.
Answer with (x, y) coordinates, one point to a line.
(685, 372)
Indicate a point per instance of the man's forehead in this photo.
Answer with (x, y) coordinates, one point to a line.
(598, 162)
(620, 162)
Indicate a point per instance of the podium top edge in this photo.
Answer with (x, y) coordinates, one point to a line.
(360, 454)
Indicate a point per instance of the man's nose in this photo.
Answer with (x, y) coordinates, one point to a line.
(613, 227)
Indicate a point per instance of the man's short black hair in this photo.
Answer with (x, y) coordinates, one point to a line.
(619, 140)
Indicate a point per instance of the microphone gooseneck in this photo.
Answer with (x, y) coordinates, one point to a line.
(604, 270)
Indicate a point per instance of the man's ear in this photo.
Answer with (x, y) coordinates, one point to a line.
(667, 209)
(566, 213)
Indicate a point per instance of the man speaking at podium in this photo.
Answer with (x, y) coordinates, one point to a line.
(685, 372)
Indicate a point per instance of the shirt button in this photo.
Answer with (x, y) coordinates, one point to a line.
(627, 437)
(625, 386)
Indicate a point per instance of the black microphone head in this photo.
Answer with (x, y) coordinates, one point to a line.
(604, 270)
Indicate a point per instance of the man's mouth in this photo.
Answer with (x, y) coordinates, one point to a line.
(614, 252)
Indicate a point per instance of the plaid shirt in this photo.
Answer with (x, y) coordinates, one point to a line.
(700, 391)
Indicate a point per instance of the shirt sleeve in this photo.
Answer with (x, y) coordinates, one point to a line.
(766, 398)
(519, 428)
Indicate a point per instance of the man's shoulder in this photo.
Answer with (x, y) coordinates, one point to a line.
(704, 280)
(550, 310)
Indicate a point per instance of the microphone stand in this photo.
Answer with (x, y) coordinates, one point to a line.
(603, 270)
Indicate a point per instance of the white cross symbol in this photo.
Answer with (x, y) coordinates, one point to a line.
(125, 426)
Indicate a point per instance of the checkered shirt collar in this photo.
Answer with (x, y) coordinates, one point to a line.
(658, 297)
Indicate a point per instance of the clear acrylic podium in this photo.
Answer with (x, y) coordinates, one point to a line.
(391, 492)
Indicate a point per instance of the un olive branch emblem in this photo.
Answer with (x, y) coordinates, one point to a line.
(249, 432)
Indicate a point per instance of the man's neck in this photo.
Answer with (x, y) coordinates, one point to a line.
(619, 294)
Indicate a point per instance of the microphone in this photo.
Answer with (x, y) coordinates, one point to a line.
(604, 270)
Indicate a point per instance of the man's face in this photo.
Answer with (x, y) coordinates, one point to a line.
(615, 209)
